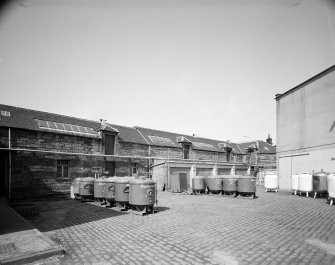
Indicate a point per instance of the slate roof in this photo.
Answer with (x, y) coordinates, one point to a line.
(263, 147)
(27, 119)
(198, 143)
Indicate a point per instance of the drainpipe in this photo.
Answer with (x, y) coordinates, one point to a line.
(10, 165)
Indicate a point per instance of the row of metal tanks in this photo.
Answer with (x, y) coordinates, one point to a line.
(123, 193)
(237, 185)
(319, 183)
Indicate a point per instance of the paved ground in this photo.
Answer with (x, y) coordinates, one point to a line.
(272, 229)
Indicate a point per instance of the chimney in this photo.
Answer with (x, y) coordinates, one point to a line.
(103, 122)
(269, 140)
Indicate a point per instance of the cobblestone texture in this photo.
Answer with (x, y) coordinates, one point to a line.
(275, 228)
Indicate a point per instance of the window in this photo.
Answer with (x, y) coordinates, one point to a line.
(134, 168)
(186, 151)
(65, 127)
(5, 113)
(110, 168)
(158, 139)
(203, 145)
(109, 144)
(228, 154)
(62, 168)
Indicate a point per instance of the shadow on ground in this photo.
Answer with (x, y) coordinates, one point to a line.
(52, 214)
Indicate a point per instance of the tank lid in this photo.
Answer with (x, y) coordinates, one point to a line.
(215, 176)
(141, 181)
(199, 177)
(123, 179)
(87, 179)
(321, 174)
(245, 176)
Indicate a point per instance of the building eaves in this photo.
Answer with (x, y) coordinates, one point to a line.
(312, 79)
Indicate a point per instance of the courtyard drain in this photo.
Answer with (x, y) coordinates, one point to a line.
(7, 248)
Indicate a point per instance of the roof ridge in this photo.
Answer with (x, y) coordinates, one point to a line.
(50, 113)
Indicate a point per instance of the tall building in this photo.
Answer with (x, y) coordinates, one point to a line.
(306, 127)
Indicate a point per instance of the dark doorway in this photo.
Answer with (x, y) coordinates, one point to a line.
(3, 173)
(183, 181)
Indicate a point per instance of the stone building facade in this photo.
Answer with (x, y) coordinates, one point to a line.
(41, 153)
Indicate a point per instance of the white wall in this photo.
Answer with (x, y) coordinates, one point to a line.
(305, 133)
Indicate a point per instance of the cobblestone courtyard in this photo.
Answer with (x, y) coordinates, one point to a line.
(275, 228)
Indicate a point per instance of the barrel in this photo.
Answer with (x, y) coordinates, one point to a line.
(99, 188)
(320, 181)
(305, 183)
(295, 183)
(214, 183)
(271, 182)
(142, 192)
(86, 187)
(122, 189)
(331, 185)
(246, 185)
(198, 184)
(229, 183)
(110, 188)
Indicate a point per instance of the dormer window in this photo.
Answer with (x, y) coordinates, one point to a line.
(186, 151)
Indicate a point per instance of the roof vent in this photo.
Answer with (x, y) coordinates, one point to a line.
(5, 113)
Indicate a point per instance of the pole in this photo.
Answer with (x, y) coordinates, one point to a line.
(9, 165)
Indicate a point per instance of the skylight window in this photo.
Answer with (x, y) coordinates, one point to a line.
(266, 148)
(65, 127)
(5, 113)
(158, 139)
(203, 145)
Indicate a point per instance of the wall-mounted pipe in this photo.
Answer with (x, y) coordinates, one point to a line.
(9, 165)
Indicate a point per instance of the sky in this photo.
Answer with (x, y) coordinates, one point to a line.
(205, 67)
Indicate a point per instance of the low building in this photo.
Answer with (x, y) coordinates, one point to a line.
(41, 153)
(306, 127)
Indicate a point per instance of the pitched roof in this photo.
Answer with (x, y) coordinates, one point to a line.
(33, 120)
(312, 79)
(263, 147)
(163, 138)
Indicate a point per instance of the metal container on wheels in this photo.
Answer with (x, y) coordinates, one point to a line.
(271, 181)
(86, 188)
(122, 192)
(214, 184)
(110, 191)
(142, 195)
(229, 184)
(331, 187)
(319, 182)
(295, 183)
(99, 189)
(305, 182)
(198, 184)
(246, 186)
(76, 188)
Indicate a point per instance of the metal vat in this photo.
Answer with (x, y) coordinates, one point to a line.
(110, 188)
(271, 181)
(331, 186)
(246, 184)
(121, 186)
(295, 183)
(76, 186)
(142, 192)
(319, 182)
(86, 187)
(198, 184)
(229, 183)
(99, 188)
(305, 183)
(214, 183)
